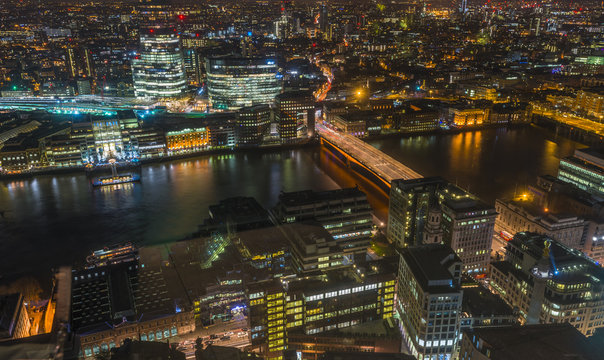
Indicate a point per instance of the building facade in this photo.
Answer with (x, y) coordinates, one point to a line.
(585, 170)
(236, 82)
(429, 300)
(312, 305)
(159, 71)
(549, 282)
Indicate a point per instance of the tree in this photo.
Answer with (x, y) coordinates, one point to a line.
(28, 286)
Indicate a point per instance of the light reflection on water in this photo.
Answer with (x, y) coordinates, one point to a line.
(54, 220)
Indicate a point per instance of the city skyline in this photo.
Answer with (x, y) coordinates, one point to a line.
(301, 180)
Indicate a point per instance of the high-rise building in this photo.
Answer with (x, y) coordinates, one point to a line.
(549, 282)
(158, 70)
(585, 170)
(192, 63)
(252, 124)
(72, 64)
(429, 300)
(468, 225)
(236, 82)
(324, 18)
(466, 222)
(410, 201)
(295, 114)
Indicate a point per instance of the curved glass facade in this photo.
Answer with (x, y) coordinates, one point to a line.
(235, 82)
(159, 71)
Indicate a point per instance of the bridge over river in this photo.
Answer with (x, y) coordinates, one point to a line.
(365, 159)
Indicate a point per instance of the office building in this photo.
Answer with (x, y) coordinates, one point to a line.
(238, 214)
(295, 114)
(344, 213)
(468, 225)
(314, 249)
(158, 70)
(549, 282)
(236, 82)
(529, 342)
(252, 124)
(429, 300)
(418, 206)
(410, 202)
(185, 140)
(119, 296)
(522, 215)
(481, 308)
(313, 305)
(585, 170)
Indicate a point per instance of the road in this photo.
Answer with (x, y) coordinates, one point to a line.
(568, 118)
(233, 328)
(383, 165)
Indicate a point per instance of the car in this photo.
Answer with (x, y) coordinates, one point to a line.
(209, 342)
(225, 338)
(242, 334)
(228, 333)
(213, 336)
(244, 329)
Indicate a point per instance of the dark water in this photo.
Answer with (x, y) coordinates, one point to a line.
(490, 163)
(54, 220)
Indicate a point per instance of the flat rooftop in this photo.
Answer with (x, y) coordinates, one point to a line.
(538, 342)
(479, 301)
(429, 264)
(305, 197)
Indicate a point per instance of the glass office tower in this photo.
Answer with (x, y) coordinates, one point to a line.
(158, 70)
(235, 82)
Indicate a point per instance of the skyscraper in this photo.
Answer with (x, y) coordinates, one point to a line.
(158, 71)
(429, 300)
(235, 82)
(323, 18)
(466, 223)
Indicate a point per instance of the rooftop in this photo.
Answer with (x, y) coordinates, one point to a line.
(429, 264)
(304, 197)
(537, 342)
(479, 301)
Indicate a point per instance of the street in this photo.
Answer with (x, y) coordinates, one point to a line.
(232, 329)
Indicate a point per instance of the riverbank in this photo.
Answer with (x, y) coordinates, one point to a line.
(167, 158)
(259, 149)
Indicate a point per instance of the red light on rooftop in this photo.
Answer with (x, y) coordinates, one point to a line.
(151, 30)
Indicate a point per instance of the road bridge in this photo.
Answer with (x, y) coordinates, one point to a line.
(370, 162)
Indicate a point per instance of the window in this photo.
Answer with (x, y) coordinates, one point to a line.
(174, 331)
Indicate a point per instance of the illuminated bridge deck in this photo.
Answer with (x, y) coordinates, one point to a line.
(382, 165)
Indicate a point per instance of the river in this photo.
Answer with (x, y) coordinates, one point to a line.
(55, 220)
